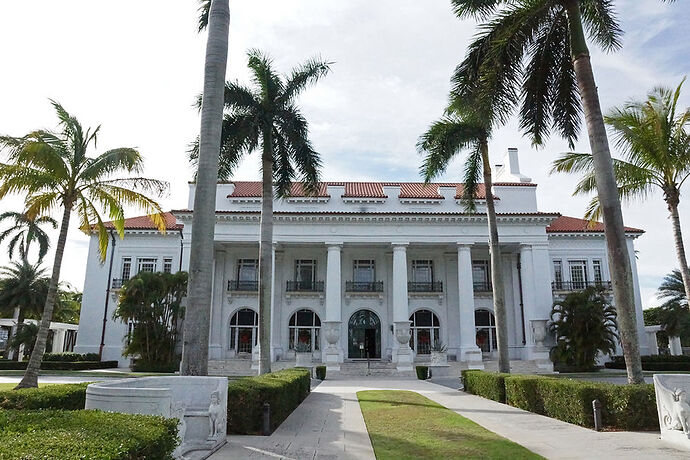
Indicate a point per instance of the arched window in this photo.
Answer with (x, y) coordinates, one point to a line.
(244, 328)
(304, 328)
(485, 323)
(425, 330)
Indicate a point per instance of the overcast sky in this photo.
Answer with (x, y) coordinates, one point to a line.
(135, 67)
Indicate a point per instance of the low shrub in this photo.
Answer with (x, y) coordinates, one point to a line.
(71, 357)
(321, 372)
(489, 385)
(66, 397)
(59, 365)
(283, 390)
(626, 407)
(422, 372)
(83, 434)
(144, 366)
(654, 363)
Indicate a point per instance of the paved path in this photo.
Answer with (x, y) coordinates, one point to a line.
(329, 425)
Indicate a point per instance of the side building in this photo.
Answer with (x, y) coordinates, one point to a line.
(378, 270)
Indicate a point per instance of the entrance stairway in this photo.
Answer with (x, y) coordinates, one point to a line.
(242, 368)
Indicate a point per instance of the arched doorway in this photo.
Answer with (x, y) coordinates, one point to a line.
(364, 335)
(485, 324)
(426, 331)
(244, 328)
(304, 328)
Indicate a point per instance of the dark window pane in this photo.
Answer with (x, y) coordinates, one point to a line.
(423, 318)
(245, 317)
(481, 318)
(305, 318)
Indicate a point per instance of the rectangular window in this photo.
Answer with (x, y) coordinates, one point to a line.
(422, 271)
(305, 271)
(364, 271)
(167, 265)
(126, 268)
(247, 270)
(481, 275)
(146, 264)
(578, 273)
(596, 265)
(558, 274)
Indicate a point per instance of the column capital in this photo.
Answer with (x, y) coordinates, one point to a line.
(464, 246)
(400, 246)
(334, 245)
(525, 247)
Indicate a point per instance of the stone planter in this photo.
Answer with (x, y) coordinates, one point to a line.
(303, 359)
(673, 407)
(439, 358)
(199, 403)
(539, 331)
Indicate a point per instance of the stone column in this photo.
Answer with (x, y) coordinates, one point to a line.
(644, 347)
(401, 311)
(215, 347)
(469, 351)
(537, 300)
(332, 325)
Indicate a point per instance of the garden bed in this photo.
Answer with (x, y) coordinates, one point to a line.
(59, 365)
(654, 363)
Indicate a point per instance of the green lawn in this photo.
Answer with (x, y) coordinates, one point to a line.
(406, 425)
(9, 386)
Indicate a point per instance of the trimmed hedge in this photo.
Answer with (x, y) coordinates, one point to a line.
(58, 365)
(283, 390)
(489, 385)
(145, 366)
(83, 434)
(422, 372)
(71, 357)
(66, 397)
(321, 372)
(654, 363)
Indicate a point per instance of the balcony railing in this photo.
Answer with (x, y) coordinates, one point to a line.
(579, 285)
(118, 283)
(436, 286)
(304, 286)
(482, 286)
(239, 285)
(361, 286)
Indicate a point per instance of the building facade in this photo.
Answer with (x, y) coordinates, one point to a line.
(378, 270)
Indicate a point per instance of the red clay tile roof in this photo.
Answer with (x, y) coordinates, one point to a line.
(145, 223)
(565, 224)
(251, 189)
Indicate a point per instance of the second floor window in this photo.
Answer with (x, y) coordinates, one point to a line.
(596, 266)
(167, 265)
(578, 273)
(247, 270)
(558, 272)
(126, 268)
(305, 271)
(422, 271)
(146, 264)
(364, 271)
(481, 275)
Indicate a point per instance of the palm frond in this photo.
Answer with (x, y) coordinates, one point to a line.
(302, 76)
(599, 19)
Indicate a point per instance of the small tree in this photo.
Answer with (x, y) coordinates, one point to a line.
(584, 324)
(151, 302)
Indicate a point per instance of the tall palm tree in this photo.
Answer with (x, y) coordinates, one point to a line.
(445, 139)
(215, 15)
(534, 53)
(266, 117)
(23, 231)
(654, 140)
(673, 313)
(55, 172)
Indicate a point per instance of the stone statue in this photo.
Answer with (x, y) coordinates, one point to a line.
(177, 410)
(216, 416)
(677, 411)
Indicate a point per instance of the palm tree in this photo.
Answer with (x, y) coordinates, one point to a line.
(673, 313)
(445, 139)
(534, 52)
(23, 289)
(54, 171)
(215, 15)
(653, 137)
(26, 231)
(266, 117)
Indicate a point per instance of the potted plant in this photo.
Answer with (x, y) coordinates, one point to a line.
(438, 354)
(302, 354)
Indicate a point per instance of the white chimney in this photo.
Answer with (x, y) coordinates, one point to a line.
(509, 171)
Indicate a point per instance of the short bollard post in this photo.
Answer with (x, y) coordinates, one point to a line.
(596, 406)
(266, 420)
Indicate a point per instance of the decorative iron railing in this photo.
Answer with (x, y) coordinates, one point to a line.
(436, 286)
(239, 285)
(361, 286)
(118, 283)
(482, 286)
(579, 285)
(304, 286)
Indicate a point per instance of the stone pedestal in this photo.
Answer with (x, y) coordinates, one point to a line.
(540, 353)
(403, 353)
(440, 370)
(331, 331)
(256, 356)
(673, 407)
(473, 357)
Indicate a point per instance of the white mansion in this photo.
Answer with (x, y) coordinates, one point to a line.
(382, 270)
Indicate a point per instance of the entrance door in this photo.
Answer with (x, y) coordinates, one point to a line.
(364, 335)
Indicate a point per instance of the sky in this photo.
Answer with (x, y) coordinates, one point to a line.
(135, 67)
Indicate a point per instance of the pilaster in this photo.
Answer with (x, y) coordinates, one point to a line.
(469, 351)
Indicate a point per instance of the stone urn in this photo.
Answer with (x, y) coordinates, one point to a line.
(402, 333)
(539, 331)
(331, 332)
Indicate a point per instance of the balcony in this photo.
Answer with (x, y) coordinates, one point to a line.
(436, 286)
(362, 286)
(482, 287)
(570, 286)
(243, 286)
(304, 286)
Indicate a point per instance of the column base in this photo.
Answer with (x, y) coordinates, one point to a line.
(403, 359)
(333, 358)
(540, 356)
(472, 356)
(215, 351)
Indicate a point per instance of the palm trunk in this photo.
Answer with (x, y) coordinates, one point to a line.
(198, 312)
(496, 266)
(619, 261)
(265, 255)
(680, 247)
(30, 379)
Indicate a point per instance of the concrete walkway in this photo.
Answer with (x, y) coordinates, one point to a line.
(329, 424)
